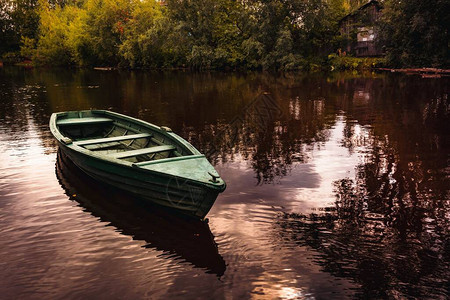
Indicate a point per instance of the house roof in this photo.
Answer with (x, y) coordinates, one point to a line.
(363, 7)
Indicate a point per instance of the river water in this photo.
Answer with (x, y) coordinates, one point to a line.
(338, 187)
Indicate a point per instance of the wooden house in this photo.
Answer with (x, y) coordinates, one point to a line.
(360, 31)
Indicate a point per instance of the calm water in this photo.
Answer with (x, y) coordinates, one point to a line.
(338, 187)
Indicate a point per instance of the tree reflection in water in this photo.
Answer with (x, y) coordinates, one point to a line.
(389, 230)
(266, 136)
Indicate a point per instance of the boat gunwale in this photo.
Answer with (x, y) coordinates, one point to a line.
(219, 186)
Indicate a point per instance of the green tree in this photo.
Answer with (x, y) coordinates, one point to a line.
(416, 33)
(211, 30)
(318, 32)
(18, 18)
(287, 33)
(145, 35)
(104, 27)
(62, 33)
(52, 47)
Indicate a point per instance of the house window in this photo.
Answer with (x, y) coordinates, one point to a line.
(365, 34)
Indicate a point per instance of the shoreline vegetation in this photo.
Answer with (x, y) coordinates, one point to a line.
(218, 35)
(334, 63)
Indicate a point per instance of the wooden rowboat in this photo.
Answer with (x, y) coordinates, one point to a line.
(149, 161)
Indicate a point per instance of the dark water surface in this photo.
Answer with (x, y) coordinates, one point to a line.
(338, 187)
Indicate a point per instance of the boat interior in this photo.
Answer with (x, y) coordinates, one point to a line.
(118, 137)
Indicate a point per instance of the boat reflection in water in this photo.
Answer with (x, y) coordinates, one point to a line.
(177, 236)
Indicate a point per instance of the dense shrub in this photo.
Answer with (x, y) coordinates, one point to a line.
(340, 62)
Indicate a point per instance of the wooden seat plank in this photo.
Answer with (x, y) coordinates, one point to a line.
(102, 146)
(113, 139)
(143, 151)
(83, 121)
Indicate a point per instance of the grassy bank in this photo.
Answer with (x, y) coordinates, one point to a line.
(337, 62)
(334, 62)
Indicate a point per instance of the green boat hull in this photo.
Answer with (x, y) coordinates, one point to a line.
(165, 182)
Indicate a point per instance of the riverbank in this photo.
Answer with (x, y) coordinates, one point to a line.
(344, 62)
(334, 63)
(424, 72)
